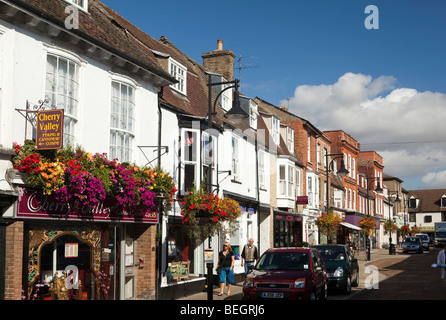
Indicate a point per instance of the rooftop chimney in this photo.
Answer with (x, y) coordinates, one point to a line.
(220, 61)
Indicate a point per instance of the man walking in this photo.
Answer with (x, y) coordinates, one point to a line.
(249, 255)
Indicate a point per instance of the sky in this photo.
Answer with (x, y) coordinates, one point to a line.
(373, 68)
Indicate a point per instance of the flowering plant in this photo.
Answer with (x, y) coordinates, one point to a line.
(367, 224)
(405, 230)
(390, 226)
(205, 214)
(415, 230)
(75, 176)
(328, 223)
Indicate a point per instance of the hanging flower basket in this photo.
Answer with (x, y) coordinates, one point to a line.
(367, 224)
(205, 214)
(74, 176)
(328, 223)
(390, 226)
(405, 230)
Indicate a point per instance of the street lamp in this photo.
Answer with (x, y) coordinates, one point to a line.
(342, 172)
(397, 200)
(378, 189)
(236, 115)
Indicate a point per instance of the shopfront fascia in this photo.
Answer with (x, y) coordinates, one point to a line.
(83, 254)
(352, 222)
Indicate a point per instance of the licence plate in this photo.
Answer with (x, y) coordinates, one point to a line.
(272, 295)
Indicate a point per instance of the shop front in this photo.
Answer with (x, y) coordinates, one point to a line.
(93, 254)
(287, 229)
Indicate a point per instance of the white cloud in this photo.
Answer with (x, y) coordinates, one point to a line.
(435, 180)
(381, 116)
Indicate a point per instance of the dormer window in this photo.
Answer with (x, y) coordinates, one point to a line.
(179, 72)
(412, 202)
(275, 130)
(253, 114)
(443, 201)
(83, 4)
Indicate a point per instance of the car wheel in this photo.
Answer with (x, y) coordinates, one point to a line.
(356, 282)
(348, 287)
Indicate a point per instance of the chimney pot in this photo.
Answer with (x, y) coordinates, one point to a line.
(220, 45)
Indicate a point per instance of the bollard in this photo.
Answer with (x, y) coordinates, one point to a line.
(210, 283)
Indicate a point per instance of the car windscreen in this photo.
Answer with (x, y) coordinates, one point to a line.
(284, 261)
(441, 234)
(332, 253)
(423, 237)
(412, 240)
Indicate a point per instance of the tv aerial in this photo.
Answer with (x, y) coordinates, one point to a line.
(246, 66)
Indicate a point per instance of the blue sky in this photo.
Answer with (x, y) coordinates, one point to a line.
(383, 86)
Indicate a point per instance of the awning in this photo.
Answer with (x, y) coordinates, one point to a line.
(350, 226)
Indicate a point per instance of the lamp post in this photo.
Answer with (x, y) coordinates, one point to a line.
(342, 172)
(378, 189)
(391, 246)
(236, 115)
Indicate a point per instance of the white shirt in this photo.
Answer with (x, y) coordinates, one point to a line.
(441, 257)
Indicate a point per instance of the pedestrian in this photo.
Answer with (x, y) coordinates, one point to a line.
(400, 241)
(249, 255)
(226, 264)
(441, 260)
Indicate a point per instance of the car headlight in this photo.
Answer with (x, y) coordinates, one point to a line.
(299, 283)
(339, 272)
(249, 283)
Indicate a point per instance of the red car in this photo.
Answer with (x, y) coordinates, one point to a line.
(287, 273)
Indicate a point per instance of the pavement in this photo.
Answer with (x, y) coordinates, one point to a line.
(376, 255)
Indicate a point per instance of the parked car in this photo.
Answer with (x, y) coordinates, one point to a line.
(287, 273)
(342, 268)
(424, 240)
(412, 244)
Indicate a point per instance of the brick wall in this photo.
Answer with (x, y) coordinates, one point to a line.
(14, 258)
(145, 277)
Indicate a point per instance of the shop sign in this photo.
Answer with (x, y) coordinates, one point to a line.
(302, 200)
(33, 204)
(49, 129)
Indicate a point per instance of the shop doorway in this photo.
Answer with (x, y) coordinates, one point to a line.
(69, 258)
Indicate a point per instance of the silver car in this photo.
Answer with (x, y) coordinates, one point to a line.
(412, 244)
(424, 240)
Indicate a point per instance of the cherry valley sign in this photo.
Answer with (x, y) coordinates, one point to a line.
(35, 205)
(49, 129)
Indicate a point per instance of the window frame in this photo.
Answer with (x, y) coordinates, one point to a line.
(196, 149)
(72, 118)
(181, 86)
(275, 129)
(235, 158)
(128, 133)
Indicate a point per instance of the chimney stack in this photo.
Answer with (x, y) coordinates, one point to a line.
(220, 61)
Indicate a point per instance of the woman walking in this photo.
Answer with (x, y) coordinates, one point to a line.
(226, 264)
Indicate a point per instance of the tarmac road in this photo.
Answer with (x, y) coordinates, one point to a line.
(388, 277)
(404, 277)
